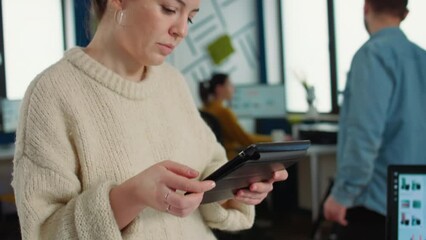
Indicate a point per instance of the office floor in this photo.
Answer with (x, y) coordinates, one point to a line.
(9, 227)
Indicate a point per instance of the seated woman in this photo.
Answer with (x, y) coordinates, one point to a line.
(214, 93)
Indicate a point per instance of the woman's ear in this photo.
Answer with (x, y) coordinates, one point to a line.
(117, 4)
(219, 91)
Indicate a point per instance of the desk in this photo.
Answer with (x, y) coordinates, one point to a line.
(314, 151)
(6, 168)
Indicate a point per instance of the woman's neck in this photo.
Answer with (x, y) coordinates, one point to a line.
(113, 57)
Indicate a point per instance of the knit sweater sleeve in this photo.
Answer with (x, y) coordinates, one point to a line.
(239, 217)
(50, 200)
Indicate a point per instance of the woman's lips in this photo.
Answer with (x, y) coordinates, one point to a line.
(166, 49)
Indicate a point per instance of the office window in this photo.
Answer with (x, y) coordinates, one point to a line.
(413, 25)
(33, 38)
(306, 54)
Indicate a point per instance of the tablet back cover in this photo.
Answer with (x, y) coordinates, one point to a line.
(259, 166)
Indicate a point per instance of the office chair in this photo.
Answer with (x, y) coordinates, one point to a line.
(213, 123)
(5, 198)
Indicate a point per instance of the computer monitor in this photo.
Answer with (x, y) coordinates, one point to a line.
(406, 200)
(259, 101)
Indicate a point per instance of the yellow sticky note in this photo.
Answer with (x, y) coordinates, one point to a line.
(220, 49)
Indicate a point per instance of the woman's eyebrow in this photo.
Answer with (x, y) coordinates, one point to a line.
(183, 3)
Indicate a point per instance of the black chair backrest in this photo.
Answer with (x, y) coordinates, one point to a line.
(213, 124)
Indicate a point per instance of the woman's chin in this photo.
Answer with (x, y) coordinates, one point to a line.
(157, 60)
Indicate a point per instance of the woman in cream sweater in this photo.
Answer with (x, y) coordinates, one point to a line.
(109, 138)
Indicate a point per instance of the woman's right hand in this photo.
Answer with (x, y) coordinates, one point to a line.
(161, 187)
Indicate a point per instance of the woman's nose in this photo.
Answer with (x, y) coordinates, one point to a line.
(180, 28)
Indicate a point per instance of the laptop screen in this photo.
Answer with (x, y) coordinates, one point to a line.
(406, 213)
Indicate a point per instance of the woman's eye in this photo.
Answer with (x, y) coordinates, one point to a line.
(190, 20)
(168, 10)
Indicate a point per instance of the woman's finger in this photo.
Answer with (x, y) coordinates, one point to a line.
(184, 184)
(280, 175)
(250, 198)
(261, 187)
(180, 205)
(180, 169)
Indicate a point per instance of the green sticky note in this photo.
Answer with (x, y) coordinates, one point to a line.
(220, 49)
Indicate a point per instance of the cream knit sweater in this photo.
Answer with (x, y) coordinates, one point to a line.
(84, 129)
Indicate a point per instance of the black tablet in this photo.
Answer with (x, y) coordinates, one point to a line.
(256, 163)
(406, 200)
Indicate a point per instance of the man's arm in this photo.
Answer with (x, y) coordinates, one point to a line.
(362, 123)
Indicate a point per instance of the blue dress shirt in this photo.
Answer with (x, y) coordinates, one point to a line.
(383, 118)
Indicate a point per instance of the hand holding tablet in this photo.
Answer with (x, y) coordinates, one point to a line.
(256, 163)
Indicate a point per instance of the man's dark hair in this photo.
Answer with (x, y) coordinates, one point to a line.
(395, 7)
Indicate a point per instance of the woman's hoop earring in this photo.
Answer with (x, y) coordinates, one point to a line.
(119, 17)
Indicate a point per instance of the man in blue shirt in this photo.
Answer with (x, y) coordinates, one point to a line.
(382, 121)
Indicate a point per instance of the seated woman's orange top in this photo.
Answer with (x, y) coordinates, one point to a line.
(234, 137)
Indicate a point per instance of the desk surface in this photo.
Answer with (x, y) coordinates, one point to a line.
(322, 149)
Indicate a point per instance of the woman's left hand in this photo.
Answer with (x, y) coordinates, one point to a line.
(257, 192)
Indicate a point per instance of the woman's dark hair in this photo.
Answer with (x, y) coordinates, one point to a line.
(208, 88)
(98, 8)
(395, 7)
